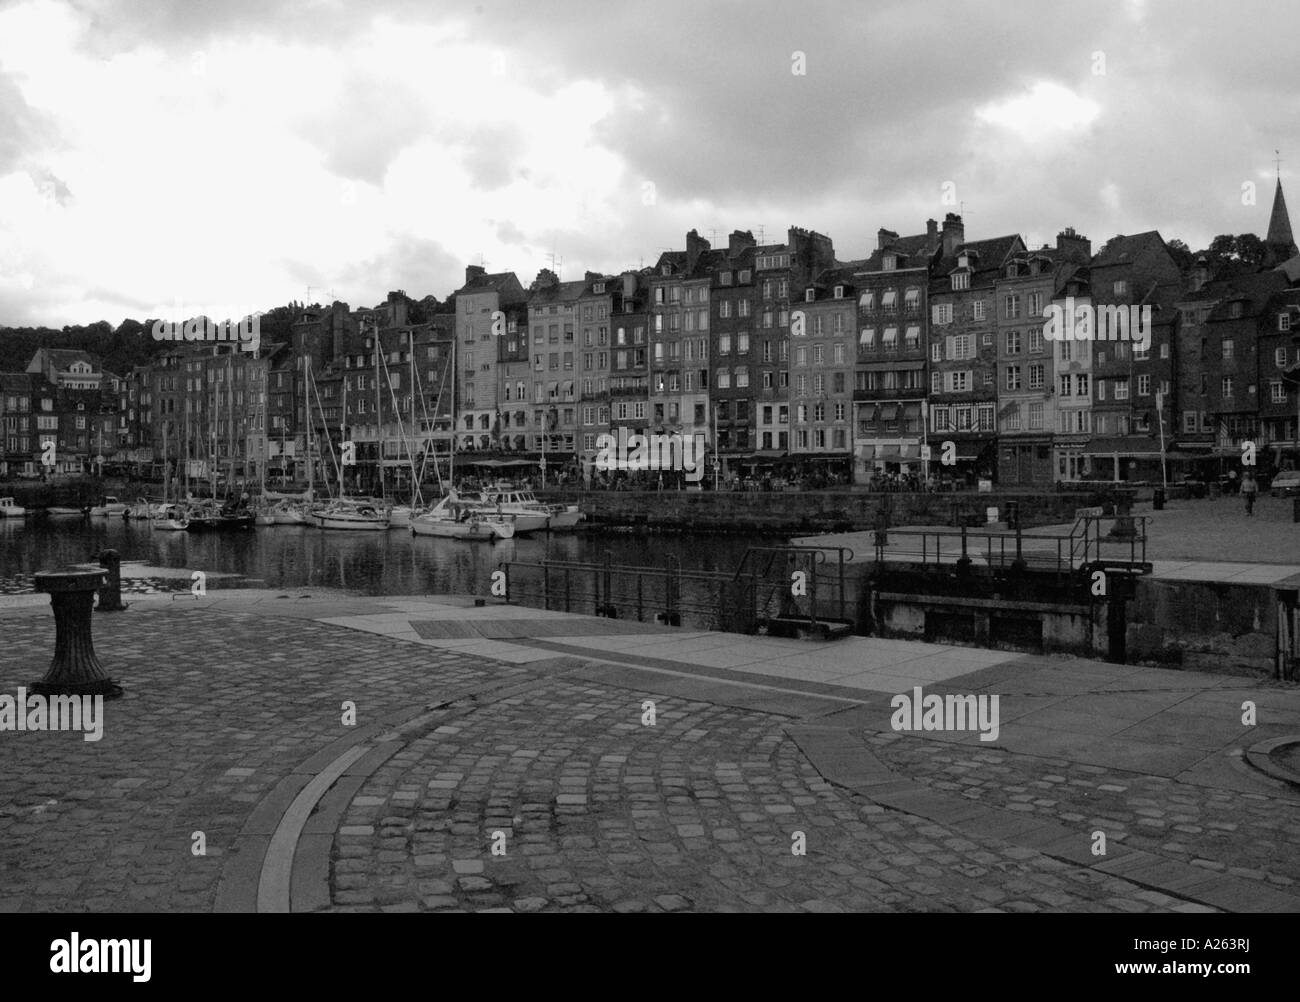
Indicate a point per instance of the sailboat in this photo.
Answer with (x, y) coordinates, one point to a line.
(452, 518)
(348, 513)
(171, 517)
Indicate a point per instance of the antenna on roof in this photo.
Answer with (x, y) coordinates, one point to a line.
(760, 235)
(556, 263)
(1278, 163)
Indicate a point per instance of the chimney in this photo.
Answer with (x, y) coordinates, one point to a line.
(1073, 247)
(931, 229)
(396, 309)
(592, 276)
(1200, 275)
(884, 238)
(739, 240)
(629, 287)
(954, 233)
(695, 246)
(473, 271)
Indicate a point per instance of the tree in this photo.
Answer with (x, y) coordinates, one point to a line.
(1181, 253)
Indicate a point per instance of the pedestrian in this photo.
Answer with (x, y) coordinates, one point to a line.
(1249, 488)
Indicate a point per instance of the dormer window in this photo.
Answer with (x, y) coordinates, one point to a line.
(1284, 321)
(598, 288)
(961, 279)
(1121, 287)
(1011, 270)
(744, 276)
(890, 262)
(725, 278)
(667, 269)
(1235, 311)
(809, 295)
(839, 292)
(963, 261)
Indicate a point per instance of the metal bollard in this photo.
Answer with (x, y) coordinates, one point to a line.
(110, 594)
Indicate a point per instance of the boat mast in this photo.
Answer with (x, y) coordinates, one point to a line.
(306, 417)
(379, 419)
(410, 451)
(343, 434)
(451, 454)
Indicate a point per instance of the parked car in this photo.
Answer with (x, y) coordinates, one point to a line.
(1286, 484)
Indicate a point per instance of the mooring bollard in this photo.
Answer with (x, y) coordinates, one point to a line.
(75, 670)
(110, 595)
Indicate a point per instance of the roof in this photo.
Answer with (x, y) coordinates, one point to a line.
(1121, 249)
(1279, 225)
(61, 358)
(561, 292)
(990, 255)
(498, 282)
(1254, 290)
(918, 250)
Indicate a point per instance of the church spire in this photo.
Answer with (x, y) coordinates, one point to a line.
(1281, 244)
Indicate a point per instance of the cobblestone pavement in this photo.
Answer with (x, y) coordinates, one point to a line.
(594, 810)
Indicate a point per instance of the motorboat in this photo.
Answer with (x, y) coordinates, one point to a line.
(455, 518)
(170, 518)
(142, 510)
(527, 508)
(350, 515)
(111, 506)
(208, 516)
(59, 511)
(288, 513)
(10, 509)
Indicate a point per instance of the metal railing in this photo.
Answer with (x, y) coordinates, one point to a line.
(762, 588)
(1124, 547)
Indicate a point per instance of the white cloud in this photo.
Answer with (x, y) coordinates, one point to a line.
(1042, 113)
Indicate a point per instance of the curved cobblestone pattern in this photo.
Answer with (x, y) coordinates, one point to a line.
(698, 812)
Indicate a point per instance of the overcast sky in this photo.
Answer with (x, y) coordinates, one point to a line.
(237, 153)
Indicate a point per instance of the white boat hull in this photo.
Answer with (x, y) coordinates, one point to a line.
(12, 511)
(354, 523)
(169, 524)
(451, 529)
(564, 520)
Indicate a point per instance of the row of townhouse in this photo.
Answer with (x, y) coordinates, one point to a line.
(772, 352)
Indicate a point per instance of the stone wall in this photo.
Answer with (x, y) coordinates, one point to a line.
(1204, 626)
(809, 512)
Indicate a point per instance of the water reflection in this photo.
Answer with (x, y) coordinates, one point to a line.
(373, 563)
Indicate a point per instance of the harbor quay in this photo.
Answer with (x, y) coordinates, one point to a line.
(314, 750)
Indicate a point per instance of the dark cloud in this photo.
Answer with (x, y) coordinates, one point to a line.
(24, 132)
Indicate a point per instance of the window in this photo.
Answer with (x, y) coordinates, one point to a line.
(1013, 342)
(1013, 377)
(1189, 422)
(743, 308)
(1227, 386)
(1035, 305)
(890, 341)
(936, 352)
(1101, 389)
(977, 309)
(1066, 351)
(960, 382)
(1035, 416)
(810, 295)
(724, 309)
(1081, 385)
(1066, 385)
(1279, 358)
(1011, 422)
(961, 279)
(1229, 346)
(942, 313)
(912, 300)
(1036, 376)
(1277, 391)
(1144, 386)
(942, 418)
(1011, 307)
(724, 344)
(936, 382)
(1035, 340)
(1120, 287)
(912, 339)
(867, 301)
(1284, 321)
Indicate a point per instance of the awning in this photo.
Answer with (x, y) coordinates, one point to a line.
(867, 412)
(865, 452)
(889, 299)
(911, 410)
(889, 412)
(1125, 445)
